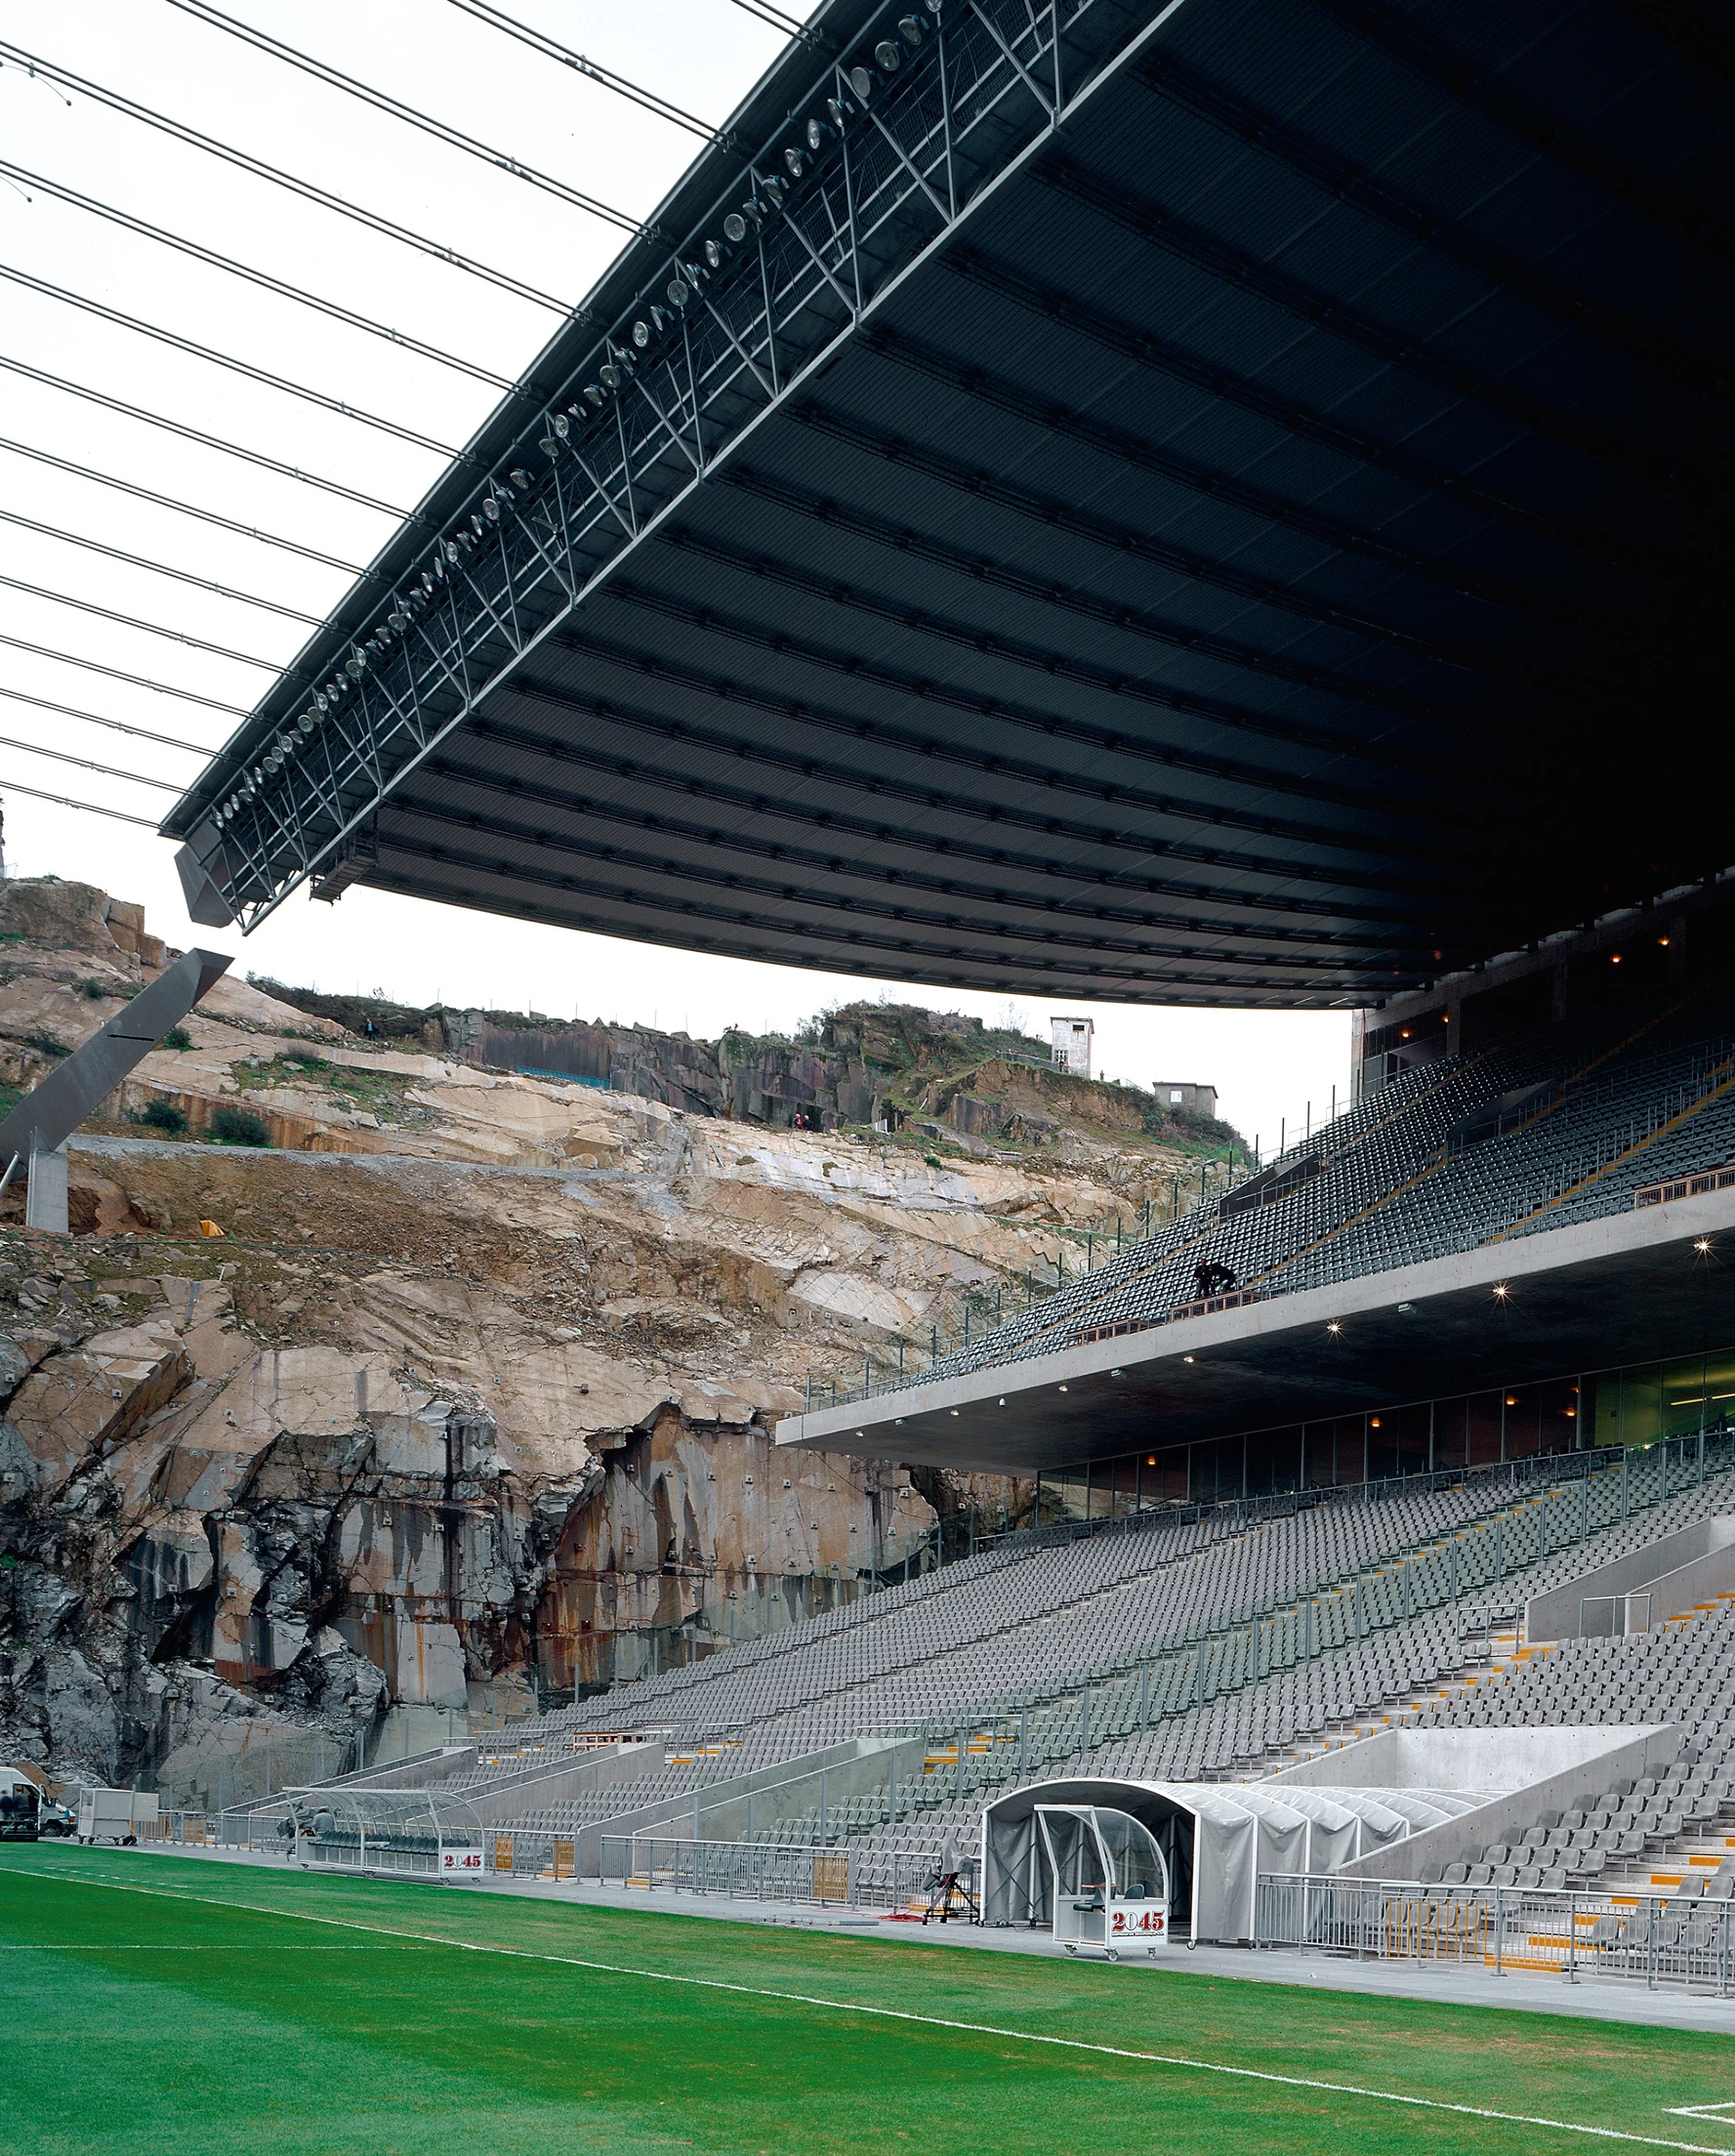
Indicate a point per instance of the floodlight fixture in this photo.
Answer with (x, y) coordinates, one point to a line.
(611, 376)
(593, 395)
(793, 164)
(734, 229)
(910, 30)
(887, 57)
(818, 135)
(861, 81)
(838, 113)
(679, 294)
(641, 334)
(712, 253)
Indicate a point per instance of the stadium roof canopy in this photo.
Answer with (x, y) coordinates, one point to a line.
(1228, 508)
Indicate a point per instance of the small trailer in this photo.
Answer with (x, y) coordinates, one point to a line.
(117, 1815)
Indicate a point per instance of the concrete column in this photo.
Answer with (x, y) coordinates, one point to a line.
(45, 1201)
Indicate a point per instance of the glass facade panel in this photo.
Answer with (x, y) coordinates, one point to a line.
(1321, 1456)
(1486, 1415)
(1633, 1406)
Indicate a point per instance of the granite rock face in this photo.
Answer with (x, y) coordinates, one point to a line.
(478, 1375)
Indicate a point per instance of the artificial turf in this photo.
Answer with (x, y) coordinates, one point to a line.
(151, 2006)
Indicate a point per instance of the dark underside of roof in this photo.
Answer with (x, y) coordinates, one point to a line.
(1272, 552)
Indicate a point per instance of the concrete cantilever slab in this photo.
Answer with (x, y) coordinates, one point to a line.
(1627, 1288)
(33, 1136)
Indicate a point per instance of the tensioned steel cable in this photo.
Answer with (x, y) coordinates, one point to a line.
(551, 49)
(119, 674)
(262, 278)
(131, 621)
(182, 509)
(84, 764)
(95, 719)
(225, 360)
(454, 137)
(159, 568)
(762, 11)
(206, 441)
(259, 170)
(66, 801)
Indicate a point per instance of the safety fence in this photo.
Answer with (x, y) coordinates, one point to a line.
(1656, 1939)
(895, 1883)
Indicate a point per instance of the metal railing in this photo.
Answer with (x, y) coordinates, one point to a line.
(1659, 1940)
(831, 1877)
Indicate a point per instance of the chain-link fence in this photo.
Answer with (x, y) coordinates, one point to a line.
(1658, 1939)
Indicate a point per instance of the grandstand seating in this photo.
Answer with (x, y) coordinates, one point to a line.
(1197, 1643)
(1610, 1112)
(1215, 1647)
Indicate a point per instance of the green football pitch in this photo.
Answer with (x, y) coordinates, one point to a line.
(153, 2006)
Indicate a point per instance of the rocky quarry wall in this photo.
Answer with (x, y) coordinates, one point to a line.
(478, 1378)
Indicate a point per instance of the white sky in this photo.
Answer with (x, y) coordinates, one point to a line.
(701, 54)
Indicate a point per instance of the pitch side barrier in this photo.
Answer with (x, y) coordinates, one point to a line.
(1661, 1941)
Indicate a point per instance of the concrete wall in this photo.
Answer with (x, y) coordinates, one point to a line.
(1455, 1759)
(789, 1787)
(1677, 1570)
(1630, 1753)
(500, 1802)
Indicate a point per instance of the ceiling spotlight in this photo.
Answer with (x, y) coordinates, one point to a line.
(1662, 942)
(1334, 1327)
(1117, 1373)
(1500, 1291)
(1615, 958)
(1703, 1245)
(1001, 1400)
(954, 1414)
(1186, 1358)
(898, 1421)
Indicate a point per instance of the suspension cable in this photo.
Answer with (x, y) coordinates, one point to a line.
(551, 49)
(84, 764)
(65, 801)
(762, 11)
(453, 137)
(207, 441)
(182, 509)
(226, 359)
(153, 627)
(119, 674)
(95, 719)
(306, 188)
(159, 568)
(262, 279)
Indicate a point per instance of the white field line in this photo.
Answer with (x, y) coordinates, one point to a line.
(1175, 2062)
(100, 1946)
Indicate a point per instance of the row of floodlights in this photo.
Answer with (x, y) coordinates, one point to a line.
(496, 505)
(769, 193)
(913, 32)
